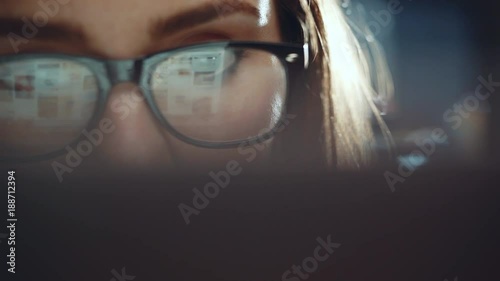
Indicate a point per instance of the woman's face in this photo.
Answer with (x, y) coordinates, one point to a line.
(125, 29)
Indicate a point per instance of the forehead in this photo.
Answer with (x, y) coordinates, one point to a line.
(129, 26)
(131, 8)
(132, 15)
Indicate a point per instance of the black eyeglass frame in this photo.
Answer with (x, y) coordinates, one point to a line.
(293, 57)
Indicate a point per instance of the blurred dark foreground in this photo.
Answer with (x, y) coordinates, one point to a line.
(439, 224)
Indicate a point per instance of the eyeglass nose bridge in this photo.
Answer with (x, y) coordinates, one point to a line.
(120, 71)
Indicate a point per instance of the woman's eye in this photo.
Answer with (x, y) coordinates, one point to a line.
(236, 58)
(203, 67)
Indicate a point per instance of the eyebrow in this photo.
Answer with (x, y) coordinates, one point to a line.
(51, 31)
(205, 13)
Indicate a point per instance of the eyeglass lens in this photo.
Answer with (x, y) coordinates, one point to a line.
(218, 94)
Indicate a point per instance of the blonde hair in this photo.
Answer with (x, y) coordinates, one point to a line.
(352, 79)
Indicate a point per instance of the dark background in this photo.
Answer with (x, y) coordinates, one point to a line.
(436, 51)
(441, 223)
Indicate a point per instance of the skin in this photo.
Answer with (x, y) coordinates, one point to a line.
(124, 29)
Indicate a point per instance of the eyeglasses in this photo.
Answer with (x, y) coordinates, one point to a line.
(212, 95)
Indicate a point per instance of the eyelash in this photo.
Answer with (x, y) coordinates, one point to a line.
(239, 55)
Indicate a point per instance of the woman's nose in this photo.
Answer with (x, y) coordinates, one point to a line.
(136, 139)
